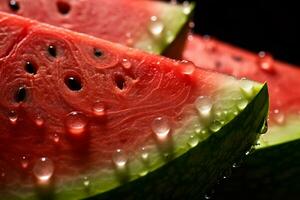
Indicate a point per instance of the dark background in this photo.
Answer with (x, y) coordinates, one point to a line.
(256, 25)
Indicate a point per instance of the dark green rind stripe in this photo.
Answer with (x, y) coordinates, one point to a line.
(192, 174)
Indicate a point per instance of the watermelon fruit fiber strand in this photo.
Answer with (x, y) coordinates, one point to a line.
(147, 25)
(260, 177)
(81, 116)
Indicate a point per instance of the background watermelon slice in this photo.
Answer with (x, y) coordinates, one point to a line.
(81, 116)
(259, 177)
(147, 25)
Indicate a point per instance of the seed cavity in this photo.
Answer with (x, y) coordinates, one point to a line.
(63, 7)
(74, 83)
(14, 5)
(120, 81)
(20, 94)
(30, 68)
(52, 51)
(98, 52)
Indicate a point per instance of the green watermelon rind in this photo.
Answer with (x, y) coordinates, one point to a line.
(174, 19)
(165, 177)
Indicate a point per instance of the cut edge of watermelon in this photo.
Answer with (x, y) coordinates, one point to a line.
(252, 116)
(171, 27)
(280, 134)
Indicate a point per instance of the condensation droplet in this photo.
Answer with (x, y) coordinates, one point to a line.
(24, 162)
(119, 158)
(186, 8)
(193, 141)
(99, 109)
(161, 127)
(156, 26)
(76, 123)
(215, 126)
(242, 104)
(187, 67)
(278, 116)
(264, 127)
(144, 153)
(246, 85)
(39, 121)
(266, 62)
(126, 63)
(13, 117)
(86, 181)
(203, 105)
(43, 169)
(56, 138)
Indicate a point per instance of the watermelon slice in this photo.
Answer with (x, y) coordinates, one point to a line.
(150, 26)
(259, 178)
(81, 117)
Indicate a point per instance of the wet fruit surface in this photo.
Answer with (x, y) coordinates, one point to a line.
(282, 78)
(146, 20)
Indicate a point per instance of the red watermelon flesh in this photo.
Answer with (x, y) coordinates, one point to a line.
(74, 109)
(282, 78)
(146, 25)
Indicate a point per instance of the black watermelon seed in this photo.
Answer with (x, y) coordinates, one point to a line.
(97, 52)
(63, 7)
(30, 68)
(237, 58)
(20, 94)
(14, 5)
(120, 81)
(52, 50)
(73, 83)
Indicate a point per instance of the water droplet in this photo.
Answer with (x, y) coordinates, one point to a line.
(170, 36)
(156, 27)
(119, 158)
(187, 67)
(191, 25)
(186, 8)
(246, 85)
(144, 153)
(266, 62)
(235, 165)
(242, 104)
(215, 126)
(13, 117)
(193, 141)
(24, 162)
(161, 127)
(56, 138)
(278, 116)
(76, 123)
(143, 173)
(206, 196)
(43, 169)
(99, 109)
(126, 63)
(39, 121)
(264, 127)
(203, 105)
(86, 181)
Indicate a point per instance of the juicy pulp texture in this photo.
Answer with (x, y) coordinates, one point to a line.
(150, 26)
(81, 116)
